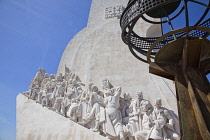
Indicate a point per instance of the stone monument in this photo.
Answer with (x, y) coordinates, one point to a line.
(98, 52)
(100, 90)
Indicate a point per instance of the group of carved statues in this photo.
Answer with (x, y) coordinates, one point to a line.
(105, 111)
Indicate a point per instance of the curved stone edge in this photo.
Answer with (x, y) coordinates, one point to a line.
(36, 122)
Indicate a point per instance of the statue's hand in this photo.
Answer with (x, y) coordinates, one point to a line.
(131, 115)
(169, 126)
(118, 89)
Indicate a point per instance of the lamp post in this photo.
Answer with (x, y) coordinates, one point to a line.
(183, 56)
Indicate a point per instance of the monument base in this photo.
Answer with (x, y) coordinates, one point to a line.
(34, 122)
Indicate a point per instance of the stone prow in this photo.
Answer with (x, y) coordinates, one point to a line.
(34, 122)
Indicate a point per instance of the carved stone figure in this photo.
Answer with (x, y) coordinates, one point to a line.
(125, 108)
(95, 113)
(84, 98)
(113, 127)
(163, 123)
(32, 87)
(34, 92)
(43, 89)
(43, 97)
(35, 83)
(59, 96)
(73, 112)
(147, 122)
(66, 104)
(136, 113)
(47, 98)
(76, 89)
(107, 87)
(39, 77)
(74, 92)
(50, 95)
(45, 80)
(67, 75)
(86, 95)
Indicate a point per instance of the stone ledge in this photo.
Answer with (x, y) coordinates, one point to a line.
(34, 122)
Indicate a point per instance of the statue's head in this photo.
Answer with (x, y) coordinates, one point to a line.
(60, 74)
(52, 76)
(127, 96)
(90, 86)
(158, 102)
(46, 75)
(94, 88)
(59, 78)
(74, 82)
(146, 106)
(139, 95)
(41, 70)
(106, 84)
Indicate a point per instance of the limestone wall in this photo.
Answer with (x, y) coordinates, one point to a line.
(98, 52)
(35, 122)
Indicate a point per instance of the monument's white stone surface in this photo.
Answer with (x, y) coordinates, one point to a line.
(98, 52)
(37, 123)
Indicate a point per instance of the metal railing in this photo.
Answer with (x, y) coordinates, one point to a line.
(135, 10)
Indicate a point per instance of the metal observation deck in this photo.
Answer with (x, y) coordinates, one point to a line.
(141, 9)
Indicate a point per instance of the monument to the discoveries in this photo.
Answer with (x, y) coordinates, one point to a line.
(96, 54)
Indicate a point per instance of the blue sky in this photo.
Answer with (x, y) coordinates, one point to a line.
(33, 34)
